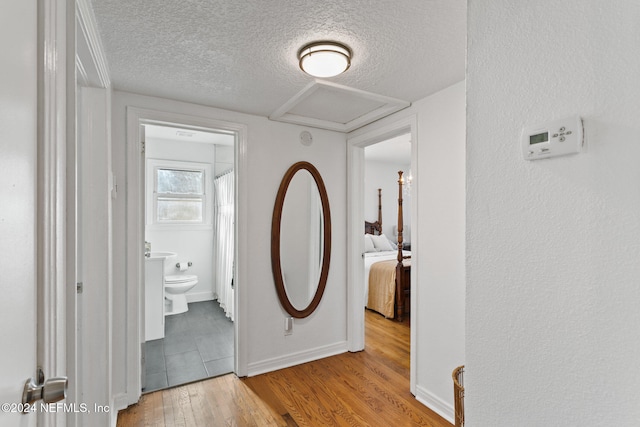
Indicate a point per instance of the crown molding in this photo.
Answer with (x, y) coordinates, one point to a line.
(90, 58)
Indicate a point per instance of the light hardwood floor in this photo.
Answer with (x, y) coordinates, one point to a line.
(369, 388)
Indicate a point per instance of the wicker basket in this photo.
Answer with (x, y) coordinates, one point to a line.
(458, 394)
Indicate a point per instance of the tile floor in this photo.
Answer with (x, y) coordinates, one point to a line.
(197, 344)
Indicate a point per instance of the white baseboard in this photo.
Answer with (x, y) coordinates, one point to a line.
(114, 413)
(119, 402)
(199, 296)
(436, 404)
(294, 359)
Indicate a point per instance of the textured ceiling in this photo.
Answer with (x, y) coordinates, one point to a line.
(242, 55)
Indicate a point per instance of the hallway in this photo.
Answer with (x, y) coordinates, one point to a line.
(352, 389)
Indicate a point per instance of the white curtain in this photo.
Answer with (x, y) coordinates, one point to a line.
(223, 243)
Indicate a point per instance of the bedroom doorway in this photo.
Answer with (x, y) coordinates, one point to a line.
(189, 244)
(386, 164)
(401, 128)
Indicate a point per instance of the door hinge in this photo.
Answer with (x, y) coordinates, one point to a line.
(142, 144)
(79, 287)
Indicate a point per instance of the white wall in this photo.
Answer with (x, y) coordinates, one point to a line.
(385, 176)
(553, 270)
(272, 147)
(224, 159)
(191, 243)
(441, 207)
(438, 247)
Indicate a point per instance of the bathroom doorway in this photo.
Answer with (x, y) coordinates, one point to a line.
(189, 255)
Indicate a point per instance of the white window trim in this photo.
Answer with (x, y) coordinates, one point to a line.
(150, 189)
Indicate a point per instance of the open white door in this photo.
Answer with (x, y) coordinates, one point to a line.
(18, 124)
(29, 233)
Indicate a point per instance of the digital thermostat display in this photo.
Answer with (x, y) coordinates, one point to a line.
(537, 139)
(551, 139)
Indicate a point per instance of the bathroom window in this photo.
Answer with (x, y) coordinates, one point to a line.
(179, 192)
(180, 195)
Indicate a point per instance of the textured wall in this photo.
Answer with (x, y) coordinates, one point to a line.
(552, 245)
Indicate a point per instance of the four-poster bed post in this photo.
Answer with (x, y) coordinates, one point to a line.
(403, 272)
(396, 288)
(373, 227)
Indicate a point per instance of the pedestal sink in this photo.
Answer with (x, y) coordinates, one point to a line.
(153, 255)
(164, 256)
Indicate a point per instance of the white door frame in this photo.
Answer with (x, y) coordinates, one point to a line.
(94, 303)
(135, 235)
(355, 221)
(89, 312)
(52, 273)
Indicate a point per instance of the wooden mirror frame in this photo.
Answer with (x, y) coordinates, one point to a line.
(276, 225)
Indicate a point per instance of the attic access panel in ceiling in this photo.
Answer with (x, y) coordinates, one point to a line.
(331, 106)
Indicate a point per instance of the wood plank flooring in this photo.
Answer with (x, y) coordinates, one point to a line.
(369, 388)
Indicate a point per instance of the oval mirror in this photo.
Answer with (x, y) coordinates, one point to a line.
(301, 240)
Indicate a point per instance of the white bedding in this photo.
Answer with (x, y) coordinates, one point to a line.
(373, 257)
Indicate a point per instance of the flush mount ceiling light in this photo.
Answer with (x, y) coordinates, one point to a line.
(324, 59)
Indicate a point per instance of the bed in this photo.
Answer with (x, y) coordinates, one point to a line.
(387, 266)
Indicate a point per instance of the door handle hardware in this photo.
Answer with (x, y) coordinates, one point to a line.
(50, 391)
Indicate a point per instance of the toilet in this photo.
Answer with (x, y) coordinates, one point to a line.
(175, 287)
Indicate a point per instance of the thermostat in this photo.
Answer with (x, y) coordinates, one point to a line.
(557, 138)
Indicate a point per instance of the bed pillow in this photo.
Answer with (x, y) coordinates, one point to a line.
(381, 243)
(368, 244)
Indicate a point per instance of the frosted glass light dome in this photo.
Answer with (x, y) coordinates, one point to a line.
(324, 59)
